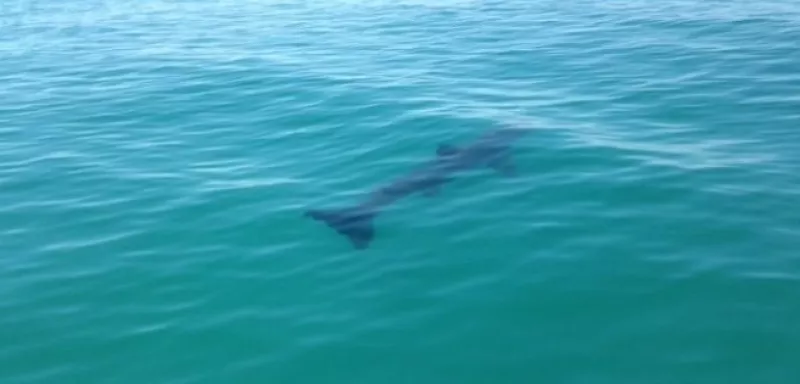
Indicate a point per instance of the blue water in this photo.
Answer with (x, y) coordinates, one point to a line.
(156, 158)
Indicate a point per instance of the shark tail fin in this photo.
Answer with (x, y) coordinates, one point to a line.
(353, 223)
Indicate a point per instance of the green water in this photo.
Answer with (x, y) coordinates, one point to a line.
(156, 159)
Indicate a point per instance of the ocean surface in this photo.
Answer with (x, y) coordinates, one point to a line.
(157, 158)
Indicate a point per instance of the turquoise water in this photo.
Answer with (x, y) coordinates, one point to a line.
(156, 158)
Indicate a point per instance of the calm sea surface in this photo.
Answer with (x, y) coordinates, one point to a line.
(156, 158)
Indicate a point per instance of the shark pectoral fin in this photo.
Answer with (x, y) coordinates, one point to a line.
(446, 150)
(504, 166)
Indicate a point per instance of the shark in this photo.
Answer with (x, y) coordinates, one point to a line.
(492, 149)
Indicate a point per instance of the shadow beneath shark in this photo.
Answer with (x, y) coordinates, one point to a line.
(493, 150)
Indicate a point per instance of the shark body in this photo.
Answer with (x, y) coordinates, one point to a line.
(492, 149)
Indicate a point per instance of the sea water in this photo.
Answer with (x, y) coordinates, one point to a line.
(156, 158)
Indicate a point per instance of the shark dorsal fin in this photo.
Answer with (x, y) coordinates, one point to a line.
(446, 150)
